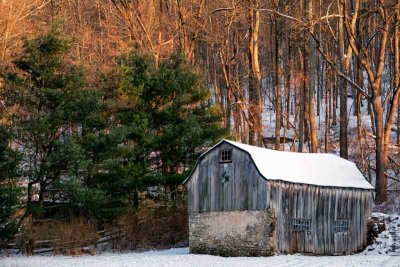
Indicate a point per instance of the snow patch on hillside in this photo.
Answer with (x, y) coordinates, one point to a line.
(388, 241)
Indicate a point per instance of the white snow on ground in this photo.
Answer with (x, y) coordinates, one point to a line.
(385, 251)
(182, 258)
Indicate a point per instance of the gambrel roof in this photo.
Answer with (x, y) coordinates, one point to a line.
(321, 169)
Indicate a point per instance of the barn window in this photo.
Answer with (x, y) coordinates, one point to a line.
(341, 226)
(225, 155)
(301, 224)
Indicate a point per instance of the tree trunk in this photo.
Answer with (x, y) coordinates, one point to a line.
(302, 104)
(311, 84)
(334, 100)
(278, 80)
(306, 96)
(397, 67)
(288, 71)
(380, 153)
(236, 110)
(358, 113)
(327, 96)
(255, 129)
(358, 104)
(342, 86)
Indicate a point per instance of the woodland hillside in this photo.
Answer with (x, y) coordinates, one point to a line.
(106, 104)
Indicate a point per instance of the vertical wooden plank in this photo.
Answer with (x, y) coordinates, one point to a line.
(206, 186)
(200, 186)
(212, 186)
(254, 187)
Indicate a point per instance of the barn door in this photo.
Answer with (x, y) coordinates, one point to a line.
(301, 236)
(342, 243)
(342, 237)
(308, 241)
(300, 241)
(297, 241)
(226, 179)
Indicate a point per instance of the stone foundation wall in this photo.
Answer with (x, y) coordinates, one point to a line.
(234, 233)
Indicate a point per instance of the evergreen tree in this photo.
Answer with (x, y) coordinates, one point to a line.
(10, 192)
(100, 147)
(168, 114)
(52, 108)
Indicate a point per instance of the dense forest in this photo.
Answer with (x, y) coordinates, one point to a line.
(103, 101)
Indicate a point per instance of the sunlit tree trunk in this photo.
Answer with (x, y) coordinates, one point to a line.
(255, 129)
(311, 74)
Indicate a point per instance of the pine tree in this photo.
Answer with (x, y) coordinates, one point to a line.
(52, 108)
(10, 192)
(168, 115)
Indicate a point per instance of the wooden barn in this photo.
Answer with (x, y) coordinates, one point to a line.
(250, 201)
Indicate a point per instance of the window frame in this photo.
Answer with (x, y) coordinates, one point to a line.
(341, 226)
(225, 158)
(300, 224)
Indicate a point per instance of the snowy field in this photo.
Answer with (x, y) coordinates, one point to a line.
(181, 257)
(385, 251)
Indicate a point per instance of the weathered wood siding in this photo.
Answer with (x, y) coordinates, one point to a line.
(245, 190)
(323, 205)
(248, 190)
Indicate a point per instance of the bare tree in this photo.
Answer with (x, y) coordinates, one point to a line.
(255, 137)
(382, 126)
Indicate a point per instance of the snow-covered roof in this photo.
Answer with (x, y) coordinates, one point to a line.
(320, 169)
